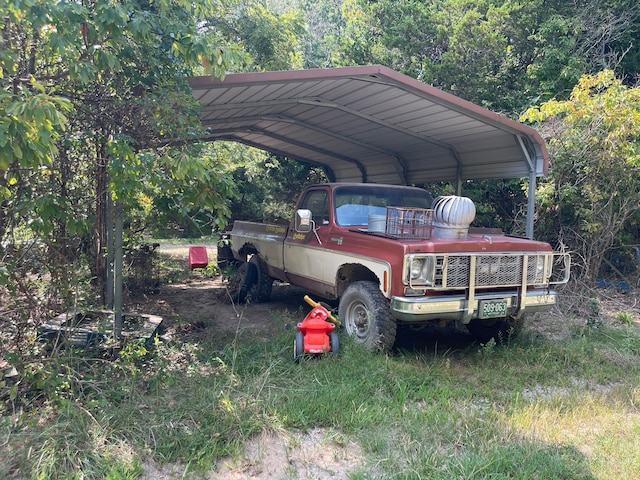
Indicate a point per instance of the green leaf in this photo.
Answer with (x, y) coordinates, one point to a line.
(17, 151)
(13, 393)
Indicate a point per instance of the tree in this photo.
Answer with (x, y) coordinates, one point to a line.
(325, 27)
(501, 54)
(270, 33)
(269, 187)
(96, 108)
(594, 184)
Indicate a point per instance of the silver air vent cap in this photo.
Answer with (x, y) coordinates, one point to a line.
(452, 216)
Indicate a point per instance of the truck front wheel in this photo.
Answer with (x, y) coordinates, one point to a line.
(365, 314)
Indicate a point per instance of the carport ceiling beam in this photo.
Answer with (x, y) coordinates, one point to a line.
(283, 139)
(233, 138)
(319, 102)
(391, 126)
(399, 163)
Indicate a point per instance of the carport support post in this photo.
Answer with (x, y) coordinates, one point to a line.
(531, 204)
(108, 229)
(117, 272)
(531, 199)
(114, 262)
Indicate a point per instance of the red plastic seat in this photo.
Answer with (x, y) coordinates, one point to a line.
(198, 257)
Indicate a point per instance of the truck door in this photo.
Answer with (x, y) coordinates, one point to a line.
(303, 253)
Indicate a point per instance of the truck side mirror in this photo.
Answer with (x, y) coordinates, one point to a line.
(304, 221)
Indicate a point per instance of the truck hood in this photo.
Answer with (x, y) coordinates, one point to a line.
(478, 243)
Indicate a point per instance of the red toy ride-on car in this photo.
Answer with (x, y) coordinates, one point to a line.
(315, 334)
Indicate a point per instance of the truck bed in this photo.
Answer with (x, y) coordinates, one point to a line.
(268, 238)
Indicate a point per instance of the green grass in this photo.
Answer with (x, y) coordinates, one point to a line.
(533, 409)
(536, 408)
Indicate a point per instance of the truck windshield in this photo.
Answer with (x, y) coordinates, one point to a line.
(355, 203)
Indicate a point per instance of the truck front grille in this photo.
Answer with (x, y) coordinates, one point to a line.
(454, 271)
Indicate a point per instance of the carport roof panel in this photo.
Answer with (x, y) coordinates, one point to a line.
(351, 120)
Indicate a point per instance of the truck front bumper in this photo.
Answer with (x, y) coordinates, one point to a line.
(461, 308)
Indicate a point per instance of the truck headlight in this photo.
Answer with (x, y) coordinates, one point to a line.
(419, 270)
(538, 268)
(417, 266)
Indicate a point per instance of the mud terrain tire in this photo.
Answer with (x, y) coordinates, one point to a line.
(240, 282)
(365, 315)
(260, 291)
(250, 283)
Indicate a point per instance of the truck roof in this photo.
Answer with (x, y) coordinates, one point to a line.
(364, 185)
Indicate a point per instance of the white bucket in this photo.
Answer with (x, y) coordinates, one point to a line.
(377, 223)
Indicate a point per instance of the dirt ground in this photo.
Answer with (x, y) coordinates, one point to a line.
(199, 307)
(202, 303)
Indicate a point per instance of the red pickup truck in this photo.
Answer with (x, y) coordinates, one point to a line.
(392, 255)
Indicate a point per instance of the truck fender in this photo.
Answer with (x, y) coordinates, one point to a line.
(353, 272)
(246, 250)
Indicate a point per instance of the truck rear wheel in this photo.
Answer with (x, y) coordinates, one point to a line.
(365, 314)
(260, 291)
(240, 282)
(501, 330)
(250, 283)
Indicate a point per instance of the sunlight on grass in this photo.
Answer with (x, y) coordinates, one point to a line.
(604, 427)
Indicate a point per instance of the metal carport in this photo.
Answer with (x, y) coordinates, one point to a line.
(370, 124)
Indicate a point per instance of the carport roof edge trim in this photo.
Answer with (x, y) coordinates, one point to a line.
(386, 76)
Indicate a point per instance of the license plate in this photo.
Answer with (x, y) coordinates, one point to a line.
(493, 308)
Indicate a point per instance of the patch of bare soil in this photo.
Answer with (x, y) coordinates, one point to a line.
(318, 455)
(202, 303)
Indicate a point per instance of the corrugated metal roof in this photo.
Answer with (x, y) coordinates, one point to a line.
(368, 124)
